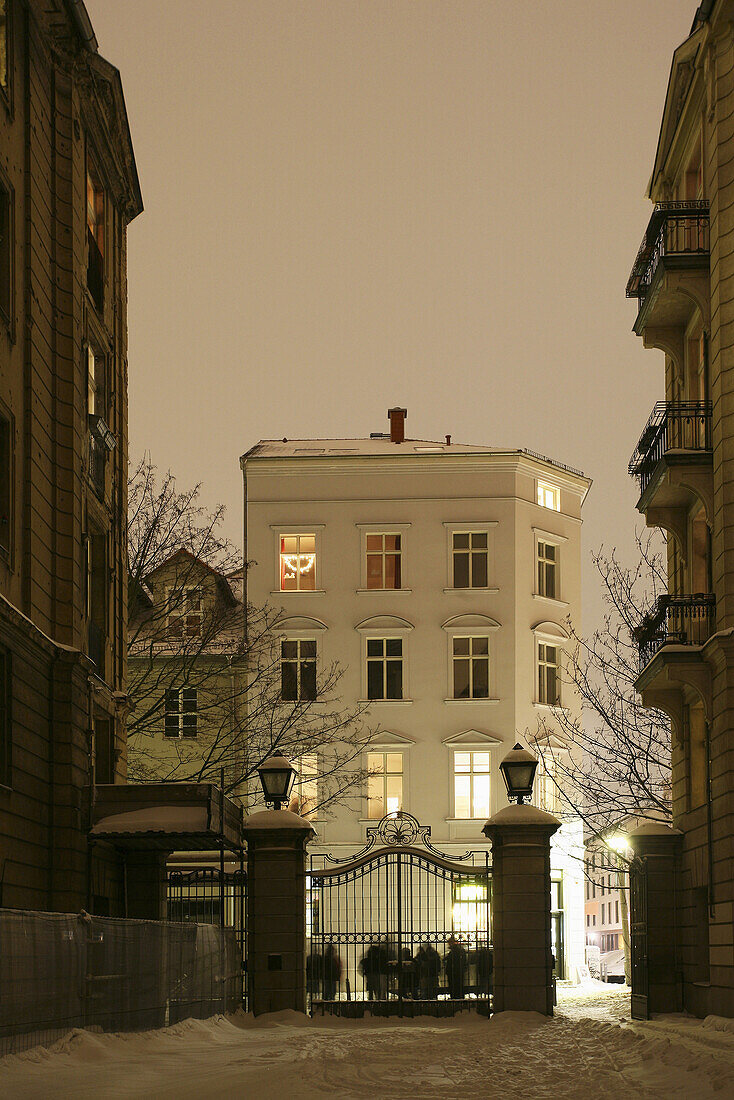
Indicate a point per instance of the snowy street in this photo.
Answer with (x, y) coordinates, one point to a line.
(586, 1049)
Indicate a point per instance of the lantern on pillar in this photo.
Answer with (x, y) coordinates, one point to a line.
(518, 772)
(276, 777)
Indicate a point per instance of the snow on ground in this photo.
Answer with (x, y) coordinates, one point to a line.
(589, 1048)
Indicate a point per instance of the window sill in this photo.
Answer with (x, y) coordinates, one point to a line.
(550, 708)
(387, 702)
(473, 702)
(551, 600)
(384, 591)
(466, 821)
(301, 592)
(471, 591)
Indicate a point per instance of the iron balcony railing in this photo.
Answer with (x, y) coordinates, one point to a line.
(676, 229)
(676, 620)
(672, 426)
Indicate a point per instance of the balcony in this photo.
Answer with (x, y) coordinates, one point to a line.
(685, 621)
(674, 251)
(673, 459)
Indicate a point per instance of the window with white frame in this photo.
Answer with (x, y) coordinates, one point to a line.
(469, 550)
(547, 569)
(384, 668)
(547, 795)
(184, 611)
(470, 661)
(298, 668)
(181, 712)
(298, 563)
(471, 784)
(549, 682)
(384, 560)
(384, 784)
(549, 496)
(304, 794)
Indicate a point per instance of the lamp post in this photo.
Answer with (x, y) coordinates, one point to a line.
(518, 771)
(277, 776)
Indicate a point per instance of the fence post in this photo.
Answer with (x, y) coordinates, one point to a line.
(276, 910)
(523, 962)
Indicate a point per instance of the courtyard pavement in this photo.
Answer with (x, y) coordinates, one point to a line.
(589, 1049)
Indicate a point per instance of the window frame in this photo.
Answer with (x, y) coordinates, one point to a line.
(387, 528)
(549, 538)
(185, 613)
(542, 489)
(305, 761)
(478, 527)
(288, 530)
(475, 636)
(181, 713)
(472, 751)
(93, 175)
(384, 751)
(385, 626)
(383, 660)
(546, 642)
(299, 660)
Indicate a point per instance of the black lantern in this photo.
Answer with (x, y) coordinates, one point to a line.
(518, 772)
(276, 776)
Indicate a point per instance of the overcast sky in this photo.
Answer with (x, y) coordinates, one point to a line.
(353, 204)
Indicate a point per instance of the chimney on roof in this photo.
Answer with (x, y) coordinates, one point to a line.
(397, 419)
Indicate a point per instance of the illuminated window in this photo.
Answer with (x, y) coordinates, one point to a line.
(547, 796)
(549, 496)
(384, 668)
(470, 555)
(384, 554)
(548, 677)
(471, 668)
(304, 796)
(297, 563)
(181, 717)
(185, 607)
(547, 562)
(95, 237)
(470, 909)
(471, 784)
(384, 784)
(298, 668)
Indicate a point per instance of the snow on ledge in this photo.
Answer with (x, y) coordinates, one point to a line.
(522, 815)
(277, 819)
(155, 819)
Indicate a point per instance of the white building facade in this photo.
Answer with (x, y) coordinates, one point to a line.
(441, 577)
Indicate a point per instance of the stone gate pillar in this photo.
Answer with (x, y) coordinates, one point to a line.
(521, 908)
(656, 971)
(276, 910)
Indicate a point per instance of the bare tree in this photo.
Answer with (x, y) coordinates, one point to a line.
(210, 685)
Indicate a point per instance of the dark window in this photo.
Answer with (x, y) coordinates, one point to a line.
(97, 592)
(181, 713)
(95, 238)
(547, 558)
(384, 668)
(548, 681)
(6, 267)
(298, 669)
(5, 485)
(471, 668)
(5, 723)
(469, 550)
(384, 555)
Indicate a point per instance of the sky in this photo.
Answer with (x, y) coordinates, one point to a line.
(356, 204)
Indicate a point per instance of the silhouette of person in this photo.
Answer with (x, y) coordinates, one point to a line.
(455, 966)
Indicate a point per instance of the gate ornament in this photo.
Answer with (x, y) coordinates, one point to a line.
(398, 829)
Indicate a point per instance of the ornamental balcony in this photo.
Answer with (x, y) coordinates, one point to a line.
(676, 621)
(672, 668)
(673, 257)
(673, 463)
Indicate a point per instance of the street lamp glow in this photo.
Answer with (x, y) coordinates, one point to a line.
(618, 842)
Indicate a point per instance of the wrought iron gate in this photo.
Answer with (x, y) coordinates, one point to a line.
(638, 940)
(399, 928)
(210, 895)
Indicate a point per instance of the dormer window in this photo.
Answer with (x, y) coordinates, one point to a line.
(185, 607)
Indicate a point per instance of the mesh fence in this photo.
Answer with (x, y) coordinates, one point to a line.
(60, 971)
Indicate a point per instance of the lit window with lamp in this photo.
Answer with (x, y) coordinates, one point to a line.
(297, 563)
(471, 784)
(384, 784)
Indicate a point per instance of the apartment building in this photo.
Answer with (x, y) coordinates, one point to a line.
(441, 577)
(684, 464)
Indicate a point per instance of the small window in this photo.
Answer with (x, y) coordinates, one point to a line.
(185, 611)
(547, 563)
(549, 496)
(298, 669)
(616, 912)
(471, 784)
(384, 784)
(181, 717)
(297, 563)
(6, 466)
(384, 559)
(5, 718)
(95, 238)
(384, 668)
(548, 678)
(6, 266)
(304, 796)
(471, 668)
(470, 554)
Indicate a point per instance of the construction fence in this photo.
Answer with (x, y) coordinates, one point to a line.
(61, 971)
